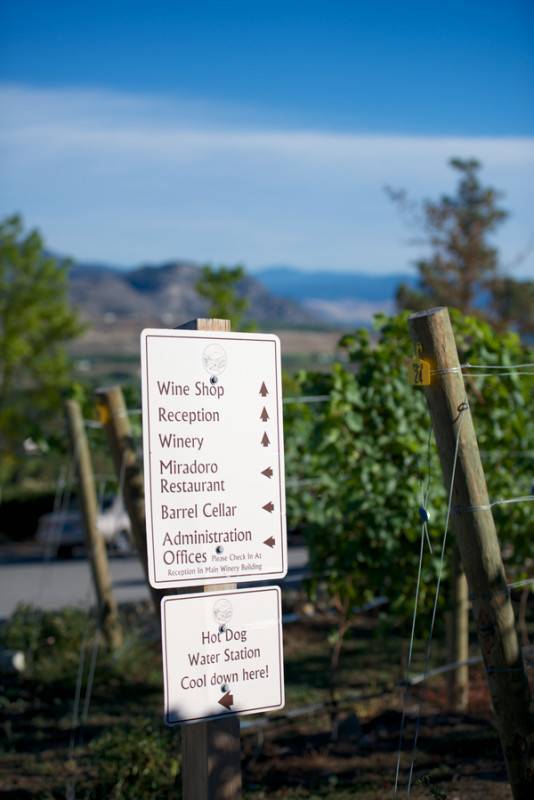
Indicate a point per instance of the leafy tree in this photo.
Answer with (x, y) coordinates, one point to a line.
(221, 287)
(462, 269)
(512, 304)
(363, 456)
(35, 322)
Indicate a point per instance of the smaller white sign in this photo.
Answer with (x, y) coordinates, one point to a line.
(222, 654)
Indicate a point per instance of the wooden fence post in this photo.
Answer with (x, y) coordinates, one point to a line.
(108, 617)
(476, 536)
(211, 751)
(458, 637)
(114, 417)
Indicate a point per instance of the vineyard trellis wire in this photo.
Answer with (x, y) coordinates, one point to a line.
(435, 341)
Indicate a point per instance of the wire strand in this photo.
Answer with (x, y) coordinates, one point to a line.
(425, 492)
(465, 407)
(92, 423)
(519, 584)
(468, 365)
(317, 398)
(461, 367)
(526, 498)
(90, 678)
(79, 683)
(410, 652)
(496, 374)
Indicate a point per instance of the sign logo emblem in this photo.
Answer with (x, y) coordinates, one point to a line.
(222, 611)
(214, 359)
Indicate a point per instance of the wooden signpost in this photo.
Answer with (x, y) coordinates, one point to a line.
(215, 513)
(476, 536)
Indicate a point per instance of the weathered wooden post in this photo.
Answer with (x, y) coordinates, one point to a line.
(114, 417)
(107, 608)
(476, 536)
(211, 751)
(458, 637)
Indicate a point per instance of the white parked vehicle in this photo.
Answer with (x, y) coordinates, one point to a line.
(62, 532)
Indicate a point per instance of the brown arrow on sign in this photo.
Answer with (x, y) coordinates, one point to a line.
(265, 440)
(227, 700)
(263, 390)
(267, 472)
(269, 507)
(270, 542)
(264, 416)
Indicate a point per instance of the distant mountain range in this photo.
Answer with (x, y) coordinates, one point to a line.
(336, 297)
(165, 294)
(327, 285)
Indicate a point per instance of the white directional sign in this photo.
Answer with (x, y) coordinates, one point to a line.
(213, 457)
(222, 654)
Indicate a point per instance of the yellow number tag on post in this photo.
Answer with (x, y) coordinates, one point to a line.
(103, 413)
(419, 369)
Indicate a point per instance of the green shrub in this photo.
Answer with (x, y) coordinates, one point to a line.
(138, 762)
(51, 640)
(362, 457)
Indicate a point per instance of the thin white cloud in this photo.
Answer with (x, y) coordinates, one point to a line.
(129, 178)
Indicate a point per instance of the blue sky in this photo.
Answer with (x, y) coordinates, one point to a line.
(259, 132)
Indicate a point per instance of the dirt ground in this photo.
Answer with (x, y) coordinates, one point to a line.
(458, 758)
(289, 755)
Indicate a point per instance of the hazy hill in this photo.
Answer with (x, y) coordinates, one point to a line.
(165, 294)
(282, 296)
